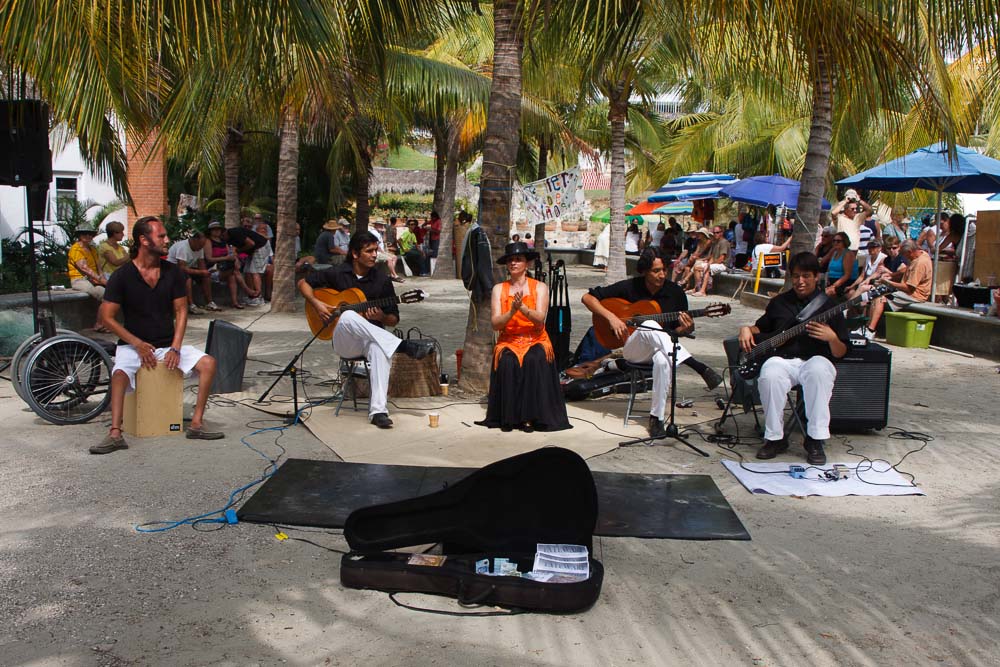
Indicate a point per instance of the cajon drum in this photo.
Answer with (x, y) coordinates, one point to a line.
(156, 407)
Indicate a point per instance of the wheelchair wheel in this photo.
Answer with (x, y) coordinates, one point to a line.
(21, 355)
(67, 380)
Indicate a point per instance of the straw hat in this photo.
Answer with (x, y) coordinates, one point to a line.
(330, 225)
(704, 230)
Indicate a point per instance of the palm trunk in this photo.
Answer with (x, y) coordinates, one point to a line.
(232, 152)
(284, 292)
(444, 267)
(814, 170)
(617, 111)
(440, 133)
(364, 204)
(538, 233)
(503, 129)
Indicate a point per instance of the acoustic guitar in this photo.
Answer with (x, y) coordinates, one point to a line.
(350, 299)
(750, 362)
(638, 312)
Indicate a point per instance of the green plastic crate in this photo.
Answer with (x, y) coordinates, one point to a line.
(909, 329)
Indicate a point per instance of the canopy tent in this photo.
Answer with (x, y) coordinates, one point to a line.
(995, 197)
(642, 208)
(700, 185)
(675, 208)
(775, 190)
(932, 168)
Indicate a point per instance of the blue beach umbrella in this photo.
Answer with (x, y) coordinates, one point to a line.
(995, 197)
(766, 191)
(700, 185)
(931, 168)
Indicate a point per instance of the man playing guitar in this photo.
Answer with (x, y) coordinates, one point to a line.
(649, 343)
(806, 359)
(364, 334)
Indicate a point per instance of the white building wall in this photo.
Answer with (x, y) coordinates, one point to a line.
(68, 163)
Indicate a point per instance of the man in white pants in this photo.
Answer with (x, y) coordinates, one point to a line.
(364, 334)
(648, 344)
(806, 359)
(152, 296)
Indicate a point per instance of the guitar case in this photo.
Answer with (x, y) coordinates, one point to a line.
(503, 510)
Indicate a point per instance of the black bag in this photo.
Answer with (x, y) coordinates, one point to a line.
(608, 382)
(502, 510)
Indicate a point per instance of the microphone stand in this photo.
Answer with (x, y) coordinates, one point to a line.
(670, 428)
(291, 371)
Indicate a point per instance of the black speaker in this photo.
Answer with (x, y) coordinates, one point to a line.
(228, 343)
(25, 158)
(860, 398)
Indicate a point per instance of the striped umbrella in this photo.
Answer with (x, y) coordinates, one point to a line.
(700, 185)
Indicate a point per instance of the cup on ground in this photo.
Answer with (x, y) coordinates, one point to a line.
(433, 418)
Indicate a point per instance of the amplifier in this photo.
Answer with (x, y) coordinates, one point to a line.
(228, 343)
(860, 398)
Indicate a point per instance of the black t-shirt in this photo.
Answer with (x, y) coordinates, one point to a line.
(781, 314)
(148, 311)
(894, 262)
(237, 236)
(670, 297)
(375, 285)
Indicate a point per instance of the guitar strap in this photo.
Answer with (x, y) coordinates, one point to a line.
(811, 308)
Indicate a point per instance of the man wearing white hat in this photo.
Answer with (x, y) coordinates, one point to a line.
(378, 231)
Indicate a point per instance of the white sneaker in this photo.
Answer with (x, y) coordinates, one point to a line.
(211, 306)
(868, 333)
(255, 302)
(860, 331)
(194, 310)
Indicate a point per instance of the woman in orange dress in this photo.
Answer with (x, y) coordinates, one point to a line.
(524, 384)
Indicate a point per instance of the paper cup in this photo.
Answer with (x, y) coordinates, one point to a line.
(444, 389)
(432, 419)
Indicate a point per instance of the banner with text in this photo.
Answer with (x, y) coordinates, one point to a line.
(553, 198)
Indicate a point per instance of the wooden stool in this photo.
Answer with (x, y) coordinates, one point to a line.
(156, 407)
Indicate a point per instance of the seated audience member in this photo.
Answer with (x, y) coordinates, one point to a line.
(632, 239)
(221, 257)
(841, 266)
(111, 253)
(915, 286)
(384, 256)
(409, 248)
(871, 268)
(713, 264)
(83, 268)
(894, 263)
(325, 249)
(189, 256)
(700, 244)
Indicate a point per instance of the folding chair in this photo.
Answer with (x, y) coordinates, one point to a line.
(351, 370)
(745, 392)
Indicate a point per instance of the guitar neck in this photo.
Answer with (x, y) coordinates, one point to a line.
(765, 348)
(374, 303)
(667, 318)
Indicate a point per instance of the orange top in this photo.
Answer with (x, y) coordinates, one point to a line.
(521, 333)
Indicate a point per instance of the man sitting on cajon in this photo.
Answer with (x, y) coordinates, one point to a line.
(153, 299)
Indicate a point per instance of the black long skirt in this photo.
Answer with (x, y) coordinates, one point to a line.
(528, 393)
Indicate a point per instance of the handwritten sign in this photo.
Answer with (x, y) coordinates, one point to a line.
(552, 198)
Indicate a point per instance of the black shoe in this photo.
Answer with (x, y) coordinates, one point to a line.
(526, 427)
(381, 420)
(415, 349)
(656, 427)
(711, 378)
(506, 429)
(772, 448)
(814, 452)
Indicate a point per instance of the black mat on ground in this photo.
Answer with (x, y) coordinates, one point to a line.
(323, 493)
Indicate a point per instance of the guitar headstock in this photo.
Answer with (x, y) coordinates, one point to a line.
(413, 296)
(718, 310)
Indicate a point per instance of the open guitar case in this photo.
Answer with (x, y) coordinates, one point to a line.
(503, 510)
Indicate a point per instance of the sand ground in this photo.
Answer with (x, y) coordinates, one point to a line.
(824, 581)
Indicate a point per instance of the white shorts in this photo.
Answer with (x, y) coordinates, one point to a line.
(257, 263)
(716, 269)
(127, 361)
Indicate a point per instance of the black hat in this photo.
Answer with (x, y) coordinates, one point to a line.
(515, 249)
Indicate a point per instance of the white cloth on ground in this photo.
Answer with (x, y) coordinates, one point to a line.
(646, 345)
(777, 377)
(128, 361)
(357, 337)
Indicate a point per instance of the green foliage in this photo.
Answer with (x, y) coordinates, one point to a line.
(402, 205)
(405, 157)
(15, 271)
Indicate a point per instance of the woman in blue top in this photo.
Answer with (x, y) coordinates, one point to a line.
(837, 279)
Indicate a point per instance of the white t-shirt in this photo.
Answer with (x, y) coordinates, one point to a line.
(632, 242)
(852, 227)
(376, 234)
(181, 251)
(758, 250)
(872, 264)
